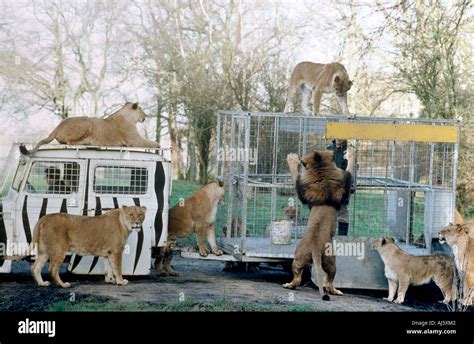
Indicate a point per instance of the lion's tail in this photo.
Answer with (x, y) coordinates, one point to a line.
(34, 246)
(47, 140)
(36, 232)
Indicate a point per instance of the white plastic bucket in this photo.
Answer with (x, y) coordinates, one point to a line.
(281, 232)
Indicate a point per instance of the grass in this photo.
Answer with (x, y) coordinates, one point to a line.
(190, 304)
(182, 189)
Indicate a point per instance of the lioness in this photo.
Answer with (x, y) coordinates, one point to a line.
(197, 214)
(457, 236)
(104, 236)
(116, 130)
(323, 186)
(402, 270)
(318, 78)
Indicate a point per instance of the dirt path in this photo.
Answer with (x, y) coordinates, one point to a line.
(203, 281)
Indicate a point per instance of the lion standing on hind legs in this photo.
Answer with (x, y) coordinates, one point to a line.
(196, 214)
(316, 79)
(324, 187)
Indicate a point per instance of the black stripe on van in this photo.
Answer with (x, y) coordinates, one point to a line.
(44, 206)
(159, 186)
(26, 221)
(3, 234)
(64, 206)
(98, 212)
(139, 240)
(77, 259)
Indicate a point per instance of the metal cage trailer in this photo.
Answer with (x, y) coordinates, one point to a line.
(86, 180)
(405, 184)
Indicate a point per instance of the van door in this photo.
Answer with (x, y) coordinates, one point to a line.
(51, 186)
(112, 184)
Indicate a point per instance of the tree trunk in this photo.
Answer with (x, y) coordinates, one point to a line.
(158, 120)
(192, 168)
(174, 140)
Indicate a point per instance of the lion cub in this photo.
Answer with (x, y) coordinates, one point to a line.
(402, 270)
(103, 236)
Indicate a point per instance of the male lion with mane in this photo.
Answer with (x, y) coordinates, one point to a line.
(103, 236)
(117, 129)
(323, 187)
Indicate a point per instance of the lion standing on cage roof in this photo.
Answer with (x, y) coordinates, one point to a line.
(316, 79)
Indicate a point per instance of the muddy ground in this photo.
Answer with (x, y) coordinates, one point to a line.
(205, 282)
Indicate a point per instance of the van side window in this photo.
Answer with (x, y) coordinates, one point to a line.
(53, 177)
(123, 180)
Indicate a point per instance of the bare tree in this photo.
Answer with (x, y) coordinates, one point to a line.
(63, 64)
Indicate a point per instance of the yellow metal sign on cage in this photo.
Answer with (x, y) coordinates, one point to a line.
(392, 132)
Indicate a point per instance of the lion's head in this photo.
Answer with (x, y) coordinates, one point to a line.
(318, 160)
(134, 217)
(133, 111)
(378, 243)
(289, 211)
(452, 233)
(220, 190)
(341, 85)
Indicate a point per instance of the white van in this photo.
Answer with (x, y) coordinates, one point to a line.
(86, 180)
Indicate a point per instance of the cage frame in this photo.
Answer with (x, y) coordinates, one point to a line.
(241, 253)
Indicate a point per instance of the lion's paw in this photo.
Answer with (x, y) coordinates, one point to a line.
(123, 282)
(109, 279)
(293, 159)
(351, 152)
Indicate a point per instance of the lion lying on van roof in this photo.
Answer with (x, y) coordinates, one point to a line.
(116, 130)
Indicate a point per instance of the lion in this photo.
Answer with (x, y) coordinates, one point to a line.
(457, 236)
(196, 214)
(458, 220)
(117, 129)
(105, 236)
(402, 270)
(318, 78)
(323, 187)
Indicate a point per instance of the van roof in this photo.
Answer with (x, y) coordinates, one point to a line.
(103, 152)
